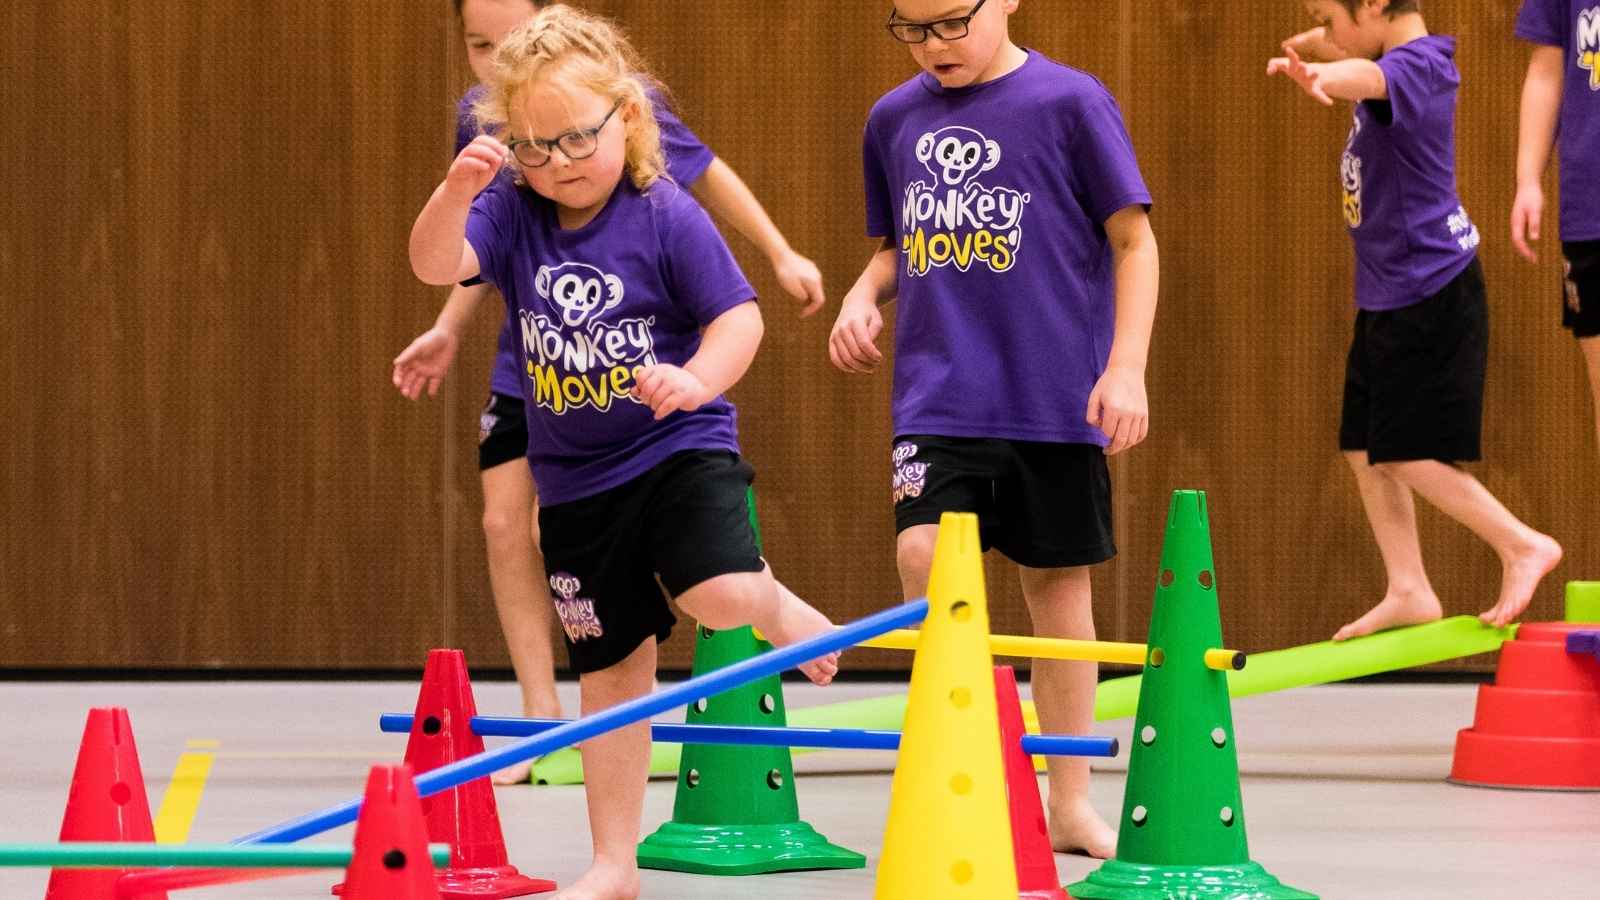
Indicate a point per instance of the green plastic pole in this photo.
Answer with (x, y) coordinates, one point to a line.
(110, 855)
(1583, 601)
(1386, 651)
(736, 812)
(1182, 832)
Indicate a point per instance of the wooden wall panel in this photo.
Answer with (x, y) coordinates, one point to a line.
(205, 279)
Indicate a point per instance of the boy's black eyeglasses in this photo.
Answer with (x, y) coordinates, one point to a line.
(944, 29)
(575, 145)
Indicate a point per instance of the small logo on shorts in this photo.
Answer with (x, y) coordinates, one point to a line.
(486, 422)
(577, 615)
(909, 477)
(1573, 303)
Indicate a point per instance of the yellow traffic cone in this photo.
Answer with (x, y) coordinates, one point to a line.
(949, 831)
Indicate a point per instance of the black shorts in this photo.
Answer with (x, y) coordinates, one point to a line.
(1580, 288)
(1413, 384)
(1043, 505)
(502, 432)
(611, 555)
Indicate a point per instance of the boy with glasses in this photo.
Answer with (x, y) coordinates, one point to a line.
(1017, 240)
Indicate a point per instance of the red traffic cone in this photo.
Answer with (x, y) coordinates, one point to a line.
(464, 817)
(106, 802)
(1538, 726)
(1030, 835)
(391, 854)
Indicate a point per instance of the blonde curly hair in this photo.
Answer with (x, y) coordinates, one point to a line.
(581, 50)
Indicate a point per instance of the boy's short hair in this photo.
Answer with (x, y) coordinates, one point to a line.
(1396, 7)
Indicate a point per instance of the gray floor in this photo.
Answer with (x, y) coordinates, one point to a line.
(1343, 787)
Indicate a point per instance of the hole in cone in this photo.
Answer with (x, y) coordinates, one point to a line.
(1166, 578)
(1205, 579)
(700, 705)
(768, 704)
(394, 859)
(693, 778)
(1140, 816)
(1219, 737)
(775, 780)
(961, 611)
(961, 698)
(961, 783)
(1158, 657)
(1148, 735)
(961, 872)
(1227, 816)
(431, 725)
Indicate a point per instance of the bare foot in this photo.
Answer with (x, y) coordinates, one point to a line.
(1397, 608)
(1520, 576)
(603, 882)
(822, 669)
(1076, 828)
(797, 621)
(517, 774)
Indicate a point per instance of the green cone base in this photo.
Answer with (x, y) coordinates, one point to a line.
(1117, 880)
(743, 849)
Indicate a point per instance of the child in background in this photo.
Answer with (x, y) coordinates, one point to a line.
(517, 574)
(1562, 95)
(1016, 238)
(632, 320)
(1413, 401)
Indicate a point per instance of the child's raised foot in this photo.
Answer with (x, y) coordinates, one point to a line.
(603, 882)
(821, 670)
(1075, 827)
(1520, 577)
(1396, 609)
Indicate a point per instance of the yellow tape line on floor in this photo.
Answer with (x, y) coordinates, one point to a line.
(182, 800)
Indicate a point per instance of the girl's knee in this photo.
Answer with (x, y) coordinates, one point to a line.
(914, 551)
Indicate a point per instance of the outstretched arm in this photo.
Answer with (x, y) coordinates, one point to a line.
(1348, 79)
(725, 194)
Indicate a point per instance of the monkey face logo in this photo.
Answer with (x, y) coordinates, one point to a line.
(956, 154)
(581, 292)
(566, 586)
(1588, 44)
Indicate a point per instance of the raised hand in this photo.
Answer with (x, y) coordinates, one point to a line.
(1307, 75)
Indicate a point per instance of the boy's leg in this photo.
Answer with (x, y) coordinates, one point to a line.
(521, 593)
(1408, 598)
(1064, 693)
(1526, 555)
(756, 598)
(913, 556)
(616, 767)
(1591, 358)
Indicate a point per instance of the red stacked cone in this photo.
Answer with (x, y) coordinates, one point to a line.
(1030, 835)
(464, 817)
(1538, 726)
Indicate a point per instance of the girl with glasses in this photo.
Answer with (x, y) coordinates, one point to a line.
(517, 575)
(631, 319)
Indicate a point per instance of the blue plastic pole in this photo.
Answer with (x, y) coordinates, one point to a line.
(821, 738)
(622, 715)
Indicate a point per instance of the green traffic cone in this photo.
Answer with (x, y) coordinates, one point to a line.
(1182, 832)
(736, 811)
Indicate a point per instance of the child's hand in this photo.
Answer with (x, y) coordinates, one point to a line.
(1526, 213)
(801, 278)
(851, 346)
(1307, 75)
(477, 166)
(668, 389)
(425, 362)
(1313, 44)
(1118, 406)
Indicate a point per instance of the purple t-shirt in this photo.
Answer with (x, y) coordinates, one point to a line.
(1398, 175)
(997, 195)
(632, 288)
(687, 160)
(1574, 26)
